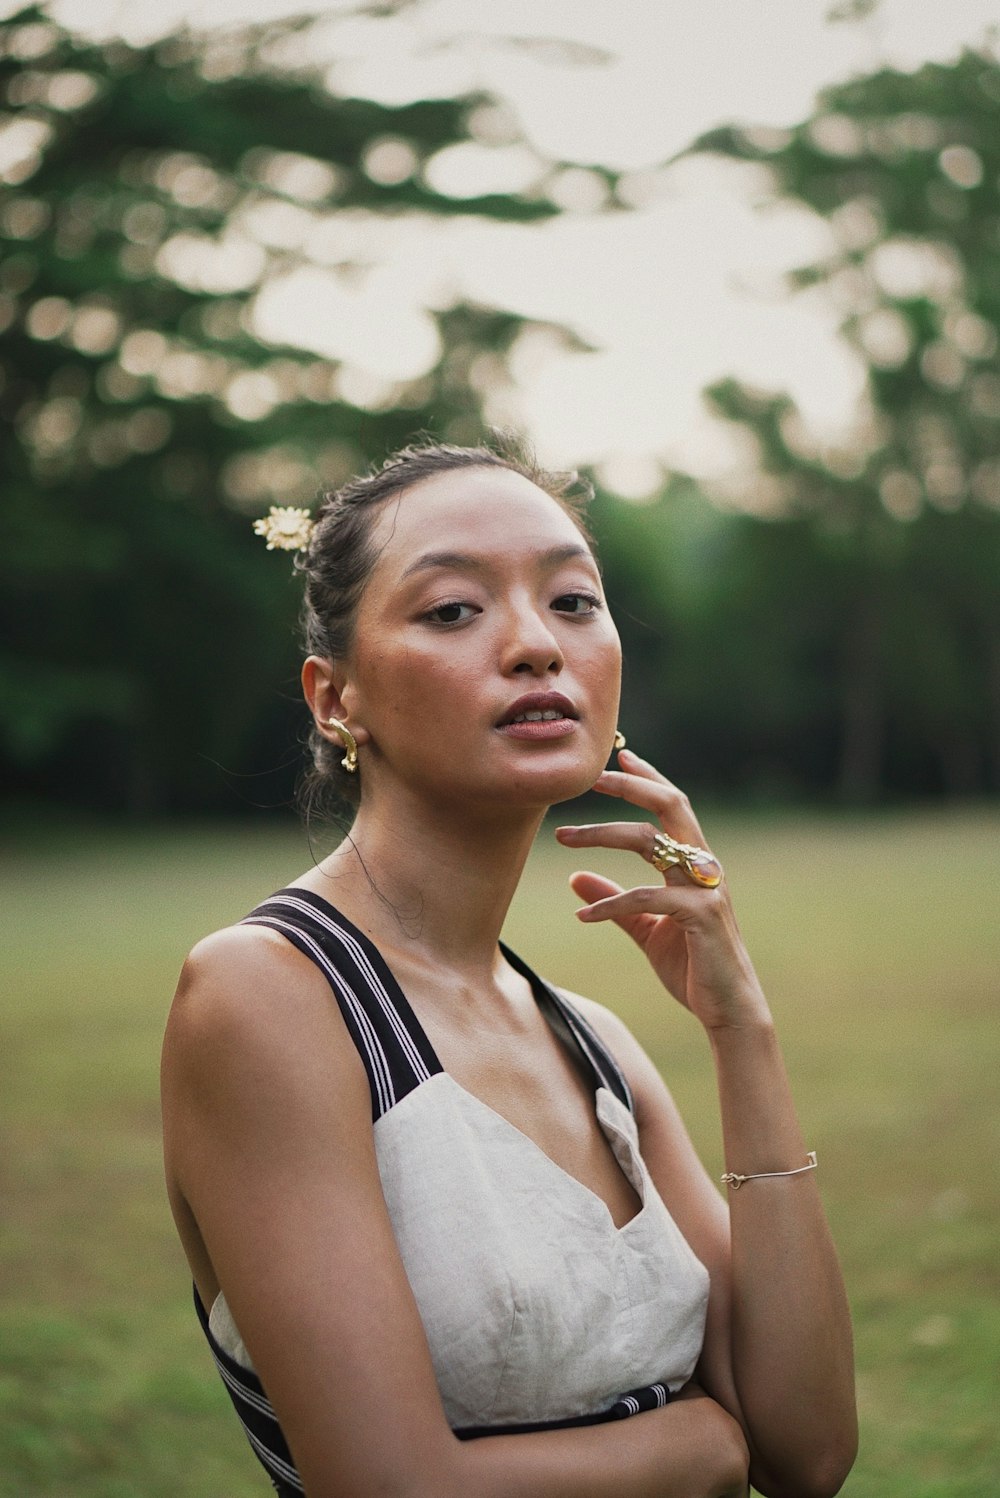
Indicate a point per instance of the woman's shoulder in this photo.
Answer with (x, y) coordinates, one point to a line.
(245, 990)
(236, 964)
(256, 1060)
(256, 958)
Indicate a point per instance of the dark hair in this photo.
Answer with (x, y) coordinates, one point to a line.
(342, 553)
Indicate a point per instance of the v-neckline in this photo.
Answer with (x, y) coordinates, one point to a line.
(526, 1142)
(548, 1003)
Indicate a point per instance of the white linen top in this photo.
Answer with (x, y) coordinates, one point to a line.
(535, 1305)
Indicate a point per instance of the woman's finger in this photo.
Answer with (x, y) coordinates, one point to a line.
(646, 900)
(634, 837)
(591, 887)
(636, 765)
(642, 785)
(595, 888)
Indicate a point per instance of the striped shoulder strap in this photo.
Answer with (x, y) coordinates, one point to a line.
(256, 1415)
(603, 1066)
(396, 1053)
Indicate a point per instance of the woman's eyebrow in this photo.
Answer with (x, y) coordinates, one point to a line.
(466, 561)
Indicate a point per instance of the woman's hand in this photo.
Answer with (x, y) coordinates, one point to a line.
(688, 933)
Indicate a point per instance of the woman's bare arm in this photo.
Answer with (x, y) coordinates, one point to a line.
(272, 1171)
(778, 1350)
(777, 1340)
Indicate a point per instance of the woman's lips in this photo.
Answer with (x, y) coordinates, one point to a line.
(540, 728)
(538, 705)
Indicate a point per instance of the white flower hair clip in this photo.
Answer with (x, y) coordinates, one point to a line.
(285, 528)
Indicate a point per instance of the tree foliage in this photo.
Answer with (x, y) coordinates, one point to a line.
(148, 197)
(899, 526)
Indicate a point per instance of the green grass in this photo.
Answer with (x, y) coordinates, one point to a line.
(878, 940)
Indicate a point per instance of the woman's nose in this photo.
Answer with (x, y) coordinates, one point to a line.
(531, 646)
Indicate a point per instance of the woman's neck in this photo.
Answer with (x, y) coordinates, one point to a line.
(433, 883)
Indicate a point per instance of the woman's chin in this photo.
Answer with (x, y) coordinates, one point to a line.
(540, 786)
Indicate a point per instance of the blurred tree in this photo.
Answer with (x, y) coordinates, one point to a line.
(726, 622)
(150, 198)
(899, 527)
(153, 199)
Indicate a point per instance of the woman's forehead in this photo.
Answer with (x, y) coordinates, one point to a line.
(480, 510)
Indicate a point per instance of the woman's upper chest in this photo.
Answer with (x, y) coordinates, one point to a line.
(508, 1056)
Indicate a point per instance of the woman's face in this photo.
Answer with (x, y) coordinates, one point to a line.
(485, 666)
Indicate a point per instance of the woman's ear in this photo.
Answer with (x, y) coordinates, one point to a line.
(322, 686)
(325, 686)
(319, 688)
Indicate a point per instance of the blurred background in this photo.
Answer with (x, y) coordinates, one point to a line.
(739, 265)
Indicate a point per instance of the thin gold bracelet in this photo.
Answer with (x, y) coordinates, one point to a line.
(736, 1181)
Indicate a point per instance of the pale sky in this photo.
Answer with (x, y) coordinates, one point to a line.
(683, 290)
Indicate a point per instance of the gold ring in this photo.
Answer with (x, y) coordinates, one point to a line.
(697, 863)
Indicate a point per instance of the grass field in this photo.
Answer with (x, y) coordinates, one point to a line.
(879, 942)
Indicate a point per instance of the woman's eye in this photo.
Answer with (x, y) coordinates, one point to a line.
(451, 613)
(577, 603)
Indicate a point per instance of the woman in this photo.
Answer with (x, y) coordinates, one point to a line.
(422, 1193)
